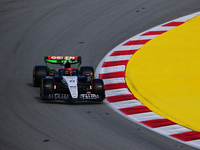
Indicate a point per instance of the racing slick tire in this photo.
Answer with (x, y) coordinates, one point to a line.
(98, 88)
(39, 72)
(47, 87)
(87, 70)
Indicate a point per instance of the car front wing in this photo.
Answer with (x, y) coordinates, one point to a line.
(81, 97)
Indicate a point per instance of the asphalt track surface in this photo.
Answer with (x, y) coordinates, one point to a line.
(31, 29)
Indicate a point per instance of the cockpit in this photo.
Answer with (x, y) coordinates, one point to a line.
(68, 72)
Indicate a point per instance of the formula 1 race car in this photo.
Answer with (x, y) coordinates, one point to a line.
(67, 83)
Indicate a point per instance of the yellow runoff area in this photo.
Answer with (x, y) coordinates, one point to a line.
(165, 74)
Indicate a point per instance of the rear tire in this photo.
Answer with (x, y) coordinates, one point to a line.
(39, 72)
(87, 70)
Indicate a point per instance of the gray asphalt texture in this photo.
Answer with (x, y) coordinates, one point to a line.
(30, 29)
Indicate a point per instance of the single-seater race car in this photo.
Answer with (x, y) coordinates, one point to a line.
(67, 83)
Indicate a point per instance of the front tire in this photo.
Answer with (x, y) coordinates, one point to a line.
(98, 88)
(46, 88)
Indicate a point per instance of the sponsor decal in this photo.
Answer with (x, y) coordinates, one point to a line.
(89, 96)
(72, 80)
(62, 57)
(60, 96)
(57, 96)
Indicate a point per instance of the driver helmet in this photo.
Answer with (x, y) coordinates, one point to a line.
(67, 73)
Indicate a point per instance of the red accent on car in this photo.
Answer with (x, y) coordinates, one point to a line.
(69, 69)
(62, 57)
(53, 84)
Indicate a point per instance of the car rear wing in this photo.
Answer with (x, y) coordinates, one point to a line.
(63, 60)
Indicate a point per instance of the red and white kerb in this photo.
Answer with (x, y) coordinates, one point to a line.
(112, 70)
